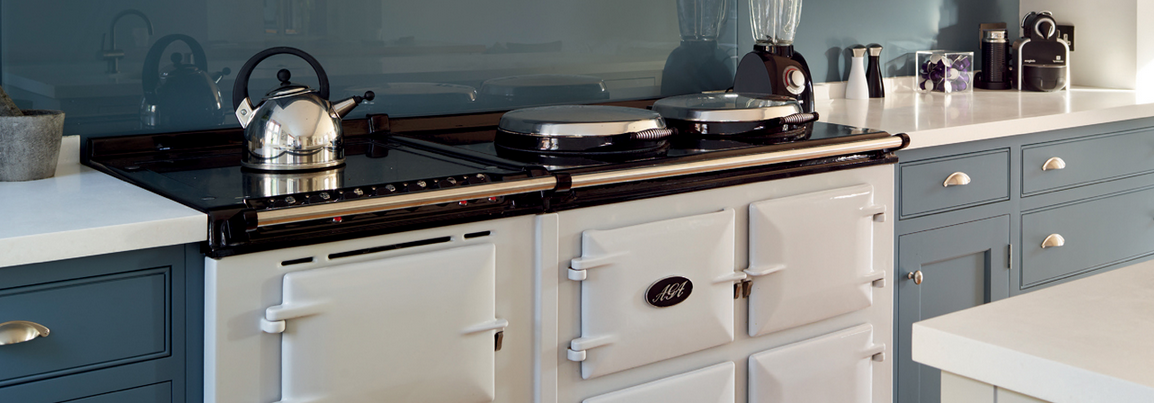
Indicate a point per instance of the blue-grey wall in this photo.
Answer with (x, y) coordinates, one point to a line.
(50, 48)
(829, 27)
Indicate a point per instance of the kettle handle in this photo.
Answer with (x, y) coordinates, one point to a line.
(240, 87)
(150, 76)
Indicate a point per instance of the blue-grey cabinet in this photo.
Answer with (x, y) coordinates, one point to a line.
(941, 271)
(989, 219)
(119, 328)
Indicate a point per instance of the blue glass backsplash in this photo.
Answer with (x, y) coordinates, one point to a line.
(422, 57)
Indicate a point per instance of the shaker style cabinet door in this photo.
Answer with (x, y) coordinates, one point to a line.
(958, 267)
(415, 328)
(834, 368)
(810, 257)
(714, 384)
(654, 291)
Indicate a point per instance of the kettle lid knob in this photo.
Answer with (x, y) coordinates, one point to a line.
(284, 75)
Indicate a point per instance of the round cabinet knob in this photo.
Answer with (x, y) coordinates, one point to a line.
(916, 276)
(1053, 163)
(1053, 241)
(19, 331)
(957, 179)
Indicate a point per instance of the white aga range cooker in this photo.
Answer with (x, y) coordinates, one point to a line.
(523, 263)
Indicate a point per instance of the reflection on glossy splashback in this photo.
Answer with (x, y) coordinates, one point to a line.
(429, 57)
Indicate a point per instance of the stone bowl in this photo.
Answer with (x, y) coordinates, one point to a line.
(30, 145)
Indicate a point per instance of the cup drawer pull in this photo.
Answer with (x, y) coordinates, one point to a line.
(1053, 163)
(957, 179)
(19, 331)
(1053, 241)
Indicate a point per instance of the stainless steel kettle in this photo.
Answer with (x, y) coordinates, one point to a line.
(294, 127)
(185, 97)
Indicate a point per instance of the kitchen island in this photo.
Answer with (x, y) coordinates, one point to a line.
(1083, 341)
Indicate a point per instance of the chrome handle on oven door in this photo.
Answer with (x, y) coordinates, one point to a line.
(19, 331)
(957, 179)
(1053, 241)
(916, 276)
(1053, 164)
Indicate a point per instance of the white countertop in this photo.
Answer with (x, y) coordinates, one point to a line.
(933, 119)
(82, 212)
(1090, 340)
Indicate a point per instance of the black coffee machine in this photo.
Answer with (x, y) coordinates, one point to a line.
(1041, 58)
(774, 67)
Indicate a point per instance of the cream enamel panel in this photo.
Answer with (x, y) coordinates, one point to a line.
(380, 328)
(811, 257)
(834, 368)
(714, 384)
(619, 329)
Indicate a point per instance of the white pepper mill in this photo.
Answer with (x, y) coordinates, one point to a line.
(856, 87)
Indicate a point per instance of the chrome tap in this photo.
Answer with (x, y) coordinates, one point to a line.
(111, 53)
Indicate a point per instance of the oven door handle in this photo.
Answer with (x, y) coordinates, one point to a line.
(758, 271)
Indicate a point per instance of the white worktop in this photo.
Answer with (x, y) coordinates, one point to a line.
(82, 212)
(934, 119)
(1090, 340)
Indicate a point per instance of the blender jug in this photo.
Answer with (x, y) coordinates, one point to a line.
(774, 22)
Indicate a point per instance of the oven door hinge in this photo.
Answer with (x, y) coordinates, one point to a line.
(741, 289)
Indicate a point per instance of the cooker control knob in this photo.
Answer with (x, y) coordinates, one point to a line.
(794, 80)
(390, 188)
(324, 196)
(358, 192)
(422, 184)
(290, 200)
(451, 180)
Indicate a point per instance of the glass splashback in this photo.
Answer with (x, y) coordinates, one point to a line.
(427, 57)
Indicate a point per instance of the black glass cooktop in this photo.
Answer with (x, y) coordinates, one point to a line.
(679, 148)
(372, 168)
(202, 170)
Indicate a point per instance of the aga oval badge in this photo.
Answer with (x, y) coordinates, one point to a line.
(668, 291)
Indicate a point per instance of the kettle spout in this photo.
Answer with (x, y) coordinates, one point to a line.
(344, 106)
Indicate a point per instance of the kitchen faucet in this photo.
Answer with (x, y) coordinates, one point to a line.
(111, 53)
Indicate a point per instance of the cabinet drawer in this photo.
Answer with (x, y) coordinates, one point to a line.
(1093, 234)
(158, 393)
(1086, 160)
(924, 190)
(93, 322)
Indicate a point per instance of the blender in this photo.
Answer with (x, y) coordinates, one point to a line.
(774, 67)
(698, 64)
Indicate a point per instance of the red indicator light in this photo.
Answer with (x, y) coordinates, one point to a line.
(463, 202)
(338, 219)
(493, 199)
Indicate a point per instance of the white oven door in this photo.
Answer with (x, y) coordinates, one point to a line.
(414, 328)
(810, 257)
(713, 384)
(654, 291)
(834, 368)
